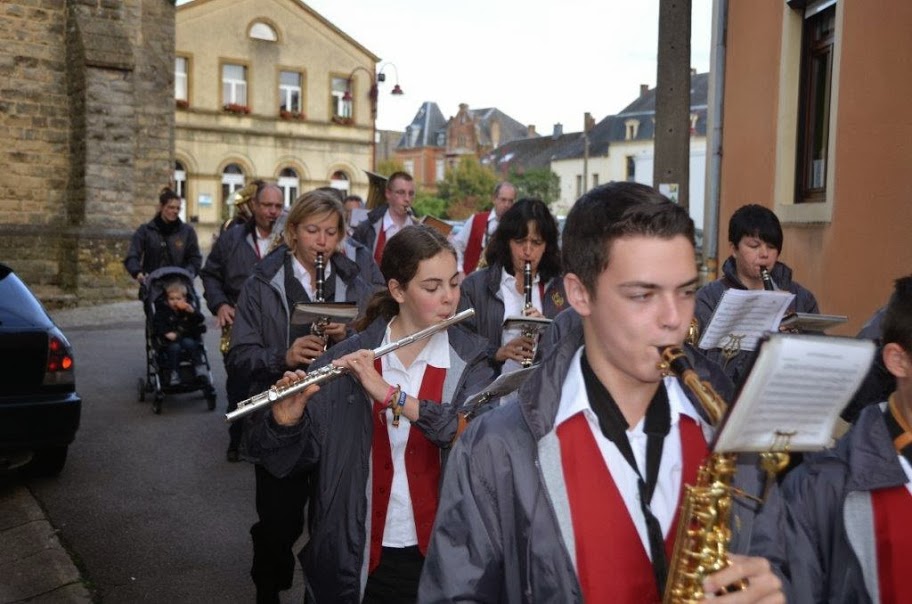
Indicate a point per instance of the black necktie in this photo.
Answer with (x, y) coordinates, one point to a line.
(614, 426)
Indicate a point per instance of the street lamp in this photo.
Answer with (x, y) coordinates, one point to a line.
(373, 95)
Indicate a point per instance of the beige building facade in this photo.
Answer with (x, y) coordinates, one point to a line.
(267, 89)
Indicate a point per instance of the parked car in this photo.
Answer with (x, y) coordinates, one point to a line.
(39, 406)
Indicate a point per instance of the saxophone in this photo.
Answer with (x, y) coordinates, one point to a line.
(528, 332)
(703, 534)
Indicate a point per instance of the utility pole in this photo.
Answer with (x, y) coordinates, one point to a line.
(672, 128)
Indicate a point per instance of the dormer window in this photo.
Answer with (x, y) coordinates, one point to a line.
(632, 129)
(263, 31)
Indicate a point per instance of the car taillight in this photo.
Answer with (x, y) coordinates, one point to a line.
(59, 369)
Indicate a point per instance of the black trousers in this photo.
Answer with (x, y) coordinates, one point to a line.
(395, 580)
(280, 506)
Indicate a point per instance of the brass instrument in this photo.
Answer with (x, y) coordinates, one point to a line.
(241, 202)
(225, 339)
(527, 292)
(376, 190)
(318, 327)
(330, 371)
(704, 533)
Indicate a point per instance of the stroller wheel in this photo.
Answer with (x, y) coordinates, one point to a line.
(142, 390)
(157, 404)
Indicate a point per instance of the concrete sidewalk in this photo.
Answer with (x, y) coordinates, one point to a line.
(34, 566)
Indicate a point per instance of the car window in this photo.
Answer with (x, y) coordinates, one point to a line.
(18, 307)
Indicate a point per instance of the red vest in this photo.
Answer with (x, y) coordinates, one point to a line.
(422, 466)
(381, 243)
(611, 563)
(476, 237)
(893, 530)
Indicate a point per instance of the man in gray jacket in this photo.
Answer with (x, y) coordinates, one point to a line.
(572, 493)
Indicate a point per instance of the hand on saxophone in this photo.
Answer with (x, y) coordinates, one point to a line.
(289, 410)
(225, 315)
(762, 584)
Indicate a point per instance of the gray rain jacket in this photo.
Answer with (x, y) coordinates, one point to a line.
(832, 548)
(335, 439)
(503, 531)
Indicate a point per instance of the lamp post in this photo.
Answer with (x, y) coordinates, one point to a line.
(373, 95)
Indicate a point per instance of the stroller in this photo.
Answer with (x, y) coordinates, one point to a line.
(190, 379)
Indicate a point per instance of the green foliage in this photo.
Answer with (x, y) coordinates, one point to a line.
(388, 166)
(541, 183)
(427, 205)
(468, 184)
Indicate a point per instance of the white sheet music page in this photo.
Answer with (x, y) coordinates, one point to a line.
(745, 314)
(797, 387)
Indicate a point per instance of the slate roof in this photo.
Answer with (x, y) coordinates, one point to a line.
(510, 129)
(528, 153)
(428, 128)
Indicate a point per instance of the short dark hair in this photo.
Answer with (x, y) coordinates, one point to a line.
(897, 321)
(755, 220)
(401, 256)
(166, 195)
(515, 225)
(353, 198)
(609, 212)
(399, 174)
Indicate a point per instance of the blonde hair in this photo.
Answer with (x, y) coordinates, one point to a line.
(313, 203)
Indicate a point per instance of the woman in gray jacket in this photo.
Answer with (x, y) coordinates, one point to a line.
(375, 438)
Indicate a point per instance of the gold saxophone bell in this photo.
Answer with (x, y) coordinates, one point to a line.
(225, 340)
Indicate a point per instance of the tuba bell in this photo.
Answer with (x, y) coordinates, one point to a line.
(376, 190)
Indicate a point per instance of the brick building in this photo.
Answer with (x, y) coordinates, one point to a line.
(87, 112)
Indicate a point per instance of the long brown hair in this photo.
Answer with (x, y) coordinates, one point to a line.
(401, 256)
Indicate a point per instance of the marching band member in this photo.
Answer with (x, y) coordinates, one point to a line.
(527, 233)
(755, 237)
(545, 500)
(388, 218)
(264, 344)
(478, 228)
(849, 507)
(375, 438)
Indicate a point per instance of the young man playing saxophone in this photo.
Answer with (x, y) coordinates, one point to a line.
(540, 502)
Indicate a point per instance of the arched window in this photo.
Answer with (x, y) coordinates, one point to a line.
(232, 180)
(289, 183)
(262, 31)
(340, 181)
(180, 180)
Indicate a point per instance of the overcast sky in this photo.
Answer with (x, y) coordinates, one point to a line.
(539, 62)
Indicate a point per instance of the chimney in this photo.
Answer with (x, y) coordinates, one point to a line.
(558, 130)
(644, 88)
(588, 122)
(530, 131)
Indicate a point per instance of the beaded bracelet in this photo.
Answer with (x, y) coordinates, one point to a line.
(397, 410)
(392, 402)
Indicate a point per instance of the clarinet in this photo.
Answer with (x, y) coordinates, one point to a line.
(329, 372)
(318, 327)
(767, 279)
(527, 292)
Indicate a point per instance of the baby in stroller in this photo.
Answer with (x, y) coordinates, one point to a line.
(177, 328)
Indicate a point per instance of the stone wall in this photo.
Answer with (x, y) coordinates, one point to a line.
(86, 101)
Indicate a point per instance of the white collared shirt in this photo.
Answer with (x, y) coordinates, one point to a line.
(389, 226)
(399, 530)
(907, 468)
(303, 277)
(513, 307)
(461, 239)
(262, 244)
(574, 399)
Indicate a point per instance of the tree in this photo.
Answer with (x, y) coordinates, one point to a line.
(388, 166)
(467, 187)
(428, 205)
(540, 183)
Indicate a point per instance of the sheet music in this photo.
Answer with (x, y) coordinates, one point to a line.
(536, 323)
(798, 386)
(813, 322)
(504, 384)
(308, 312)
(745, 314)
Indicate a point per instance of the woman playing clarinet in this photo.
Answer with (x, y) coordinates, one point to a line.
(376, 437)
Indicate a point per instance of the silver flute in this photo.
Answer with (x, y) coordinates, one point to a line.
(330, 371)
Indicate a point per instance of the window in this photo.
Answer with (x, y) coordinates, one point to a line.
(289, 183)
(817, 52)
(262, 31)
(409, 166)
(632, 128)
(440, 173)
(180, 180)
(234, 84)
(579, 185)
(181, 79)
(290, 91)
(232, 180)
(340, 180)
(341, 108)
(631, 169)
(595, 180)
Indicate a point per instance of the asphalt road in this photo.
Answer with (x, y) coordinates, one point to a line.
(147, 504)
